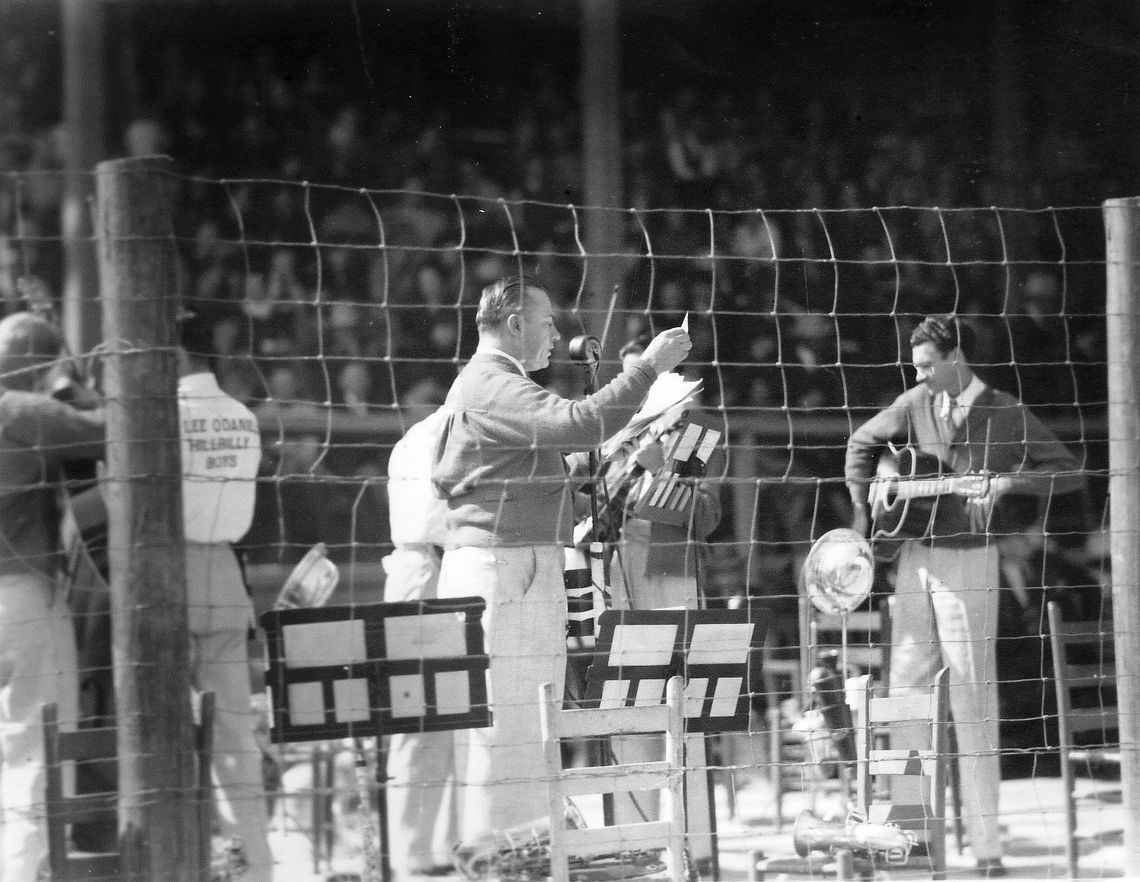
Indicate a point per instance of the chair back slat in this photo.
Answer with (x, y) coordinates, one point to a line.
(901, 763)
(592, 841)
(901, 708)
(598, 722)
(603, 779)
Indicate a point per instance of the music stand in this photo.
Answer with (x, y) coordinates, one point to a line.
(637, 651)
(376, 669)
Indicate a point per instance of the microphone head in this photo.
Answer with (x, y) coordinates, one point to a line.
(585, 348)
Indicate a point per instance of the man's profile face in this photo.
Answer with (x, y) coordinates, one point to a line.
(936, 370)
(537, 332)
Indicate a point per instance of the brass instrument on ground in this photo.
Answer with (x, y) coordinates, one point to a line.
(522, 853)
(856, 835)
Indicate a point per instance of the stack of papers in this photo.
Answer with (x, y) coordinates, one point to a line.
(669, 396)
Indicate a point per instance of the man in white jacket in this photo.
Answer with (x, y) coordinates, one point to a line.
(421, 795)
(221, 454)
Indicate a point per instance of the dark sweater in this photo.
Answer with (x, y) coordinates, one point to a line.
(499, 460)
(999, 436)
(37, 435)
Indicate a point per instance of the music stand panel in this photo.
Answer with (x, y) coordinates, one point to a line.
(637, 651)
(376, 669)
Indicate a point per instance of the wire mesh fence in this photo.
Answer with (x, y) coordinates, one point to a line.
(341, 317)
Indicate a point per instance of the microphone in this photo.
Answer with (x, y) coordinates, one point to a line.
(585, 349)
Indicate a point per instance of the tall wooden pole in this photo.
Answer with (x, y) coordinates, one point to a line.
(84, 145)
(601, 96)
(1008, 148)
(157, 819)
(1122, 312)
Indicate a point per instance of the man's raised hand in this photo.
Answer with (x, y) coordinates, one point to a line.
(667, 350)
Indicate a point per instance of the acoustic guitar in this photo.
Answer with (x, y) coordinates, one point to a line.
(924, 499)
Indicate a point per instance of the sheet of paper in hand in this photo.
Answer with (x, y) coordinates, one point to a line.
(669, 397)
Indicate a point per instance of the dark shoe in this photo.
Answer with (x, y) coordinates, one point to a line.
(992, 868)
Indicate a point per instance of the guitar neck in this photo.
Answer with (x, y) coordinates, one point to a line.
(916, 488)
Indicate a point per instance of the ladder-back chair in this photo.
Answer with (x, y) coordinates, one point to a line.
(878, 764)
(100, 745)
(1088, 726)
(565, 783)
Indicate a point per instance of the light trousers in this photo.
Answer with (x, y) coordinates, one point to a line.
(37, 667)
(501, 769)
(944, 613)
(219, 616)
(422, 812)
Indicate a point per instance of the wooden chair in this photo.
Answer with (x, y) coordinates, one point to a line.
(1084, 670)
(869, 652)
(101, 746)
(868, 640)
(564, 783)
(792, 766)
(879, 764)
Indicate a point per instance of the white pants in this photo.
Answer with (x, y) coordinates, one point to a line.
(945, 613)
(501, 769)
(423, 818)
(219, 617)
(37, 667)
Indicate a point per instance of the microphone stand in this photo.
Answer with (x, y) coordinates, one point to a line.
(587, 350)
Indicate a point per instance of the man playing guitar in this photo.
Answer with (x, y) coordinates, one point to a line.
(995, 453)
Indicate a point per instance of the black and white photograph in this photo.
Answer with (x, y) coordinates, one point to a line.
(509, 440)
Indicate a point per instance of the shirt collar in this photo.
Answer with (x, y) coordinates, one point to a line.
(966, 398)
(203, 383)
(491, 350)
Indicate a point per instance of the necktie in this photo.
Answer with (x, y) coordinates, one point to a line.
(951, 413)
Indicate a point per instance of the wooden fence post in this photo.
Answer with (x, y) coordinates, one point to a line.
(1122, 314)
(157, 819)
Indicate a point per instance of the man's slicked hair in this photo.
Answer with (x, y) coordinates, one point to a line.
(946, 332)
(501, 298)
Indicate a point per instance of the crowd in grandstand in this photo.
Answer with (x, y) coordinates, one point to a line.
(814, 249)
(757, 211)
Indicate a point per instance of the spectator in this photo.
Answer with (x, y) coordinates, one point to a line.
(286, 396)
(354, 386)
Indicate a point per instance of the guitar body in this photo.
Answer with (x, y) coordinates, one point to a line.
(896, 514)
